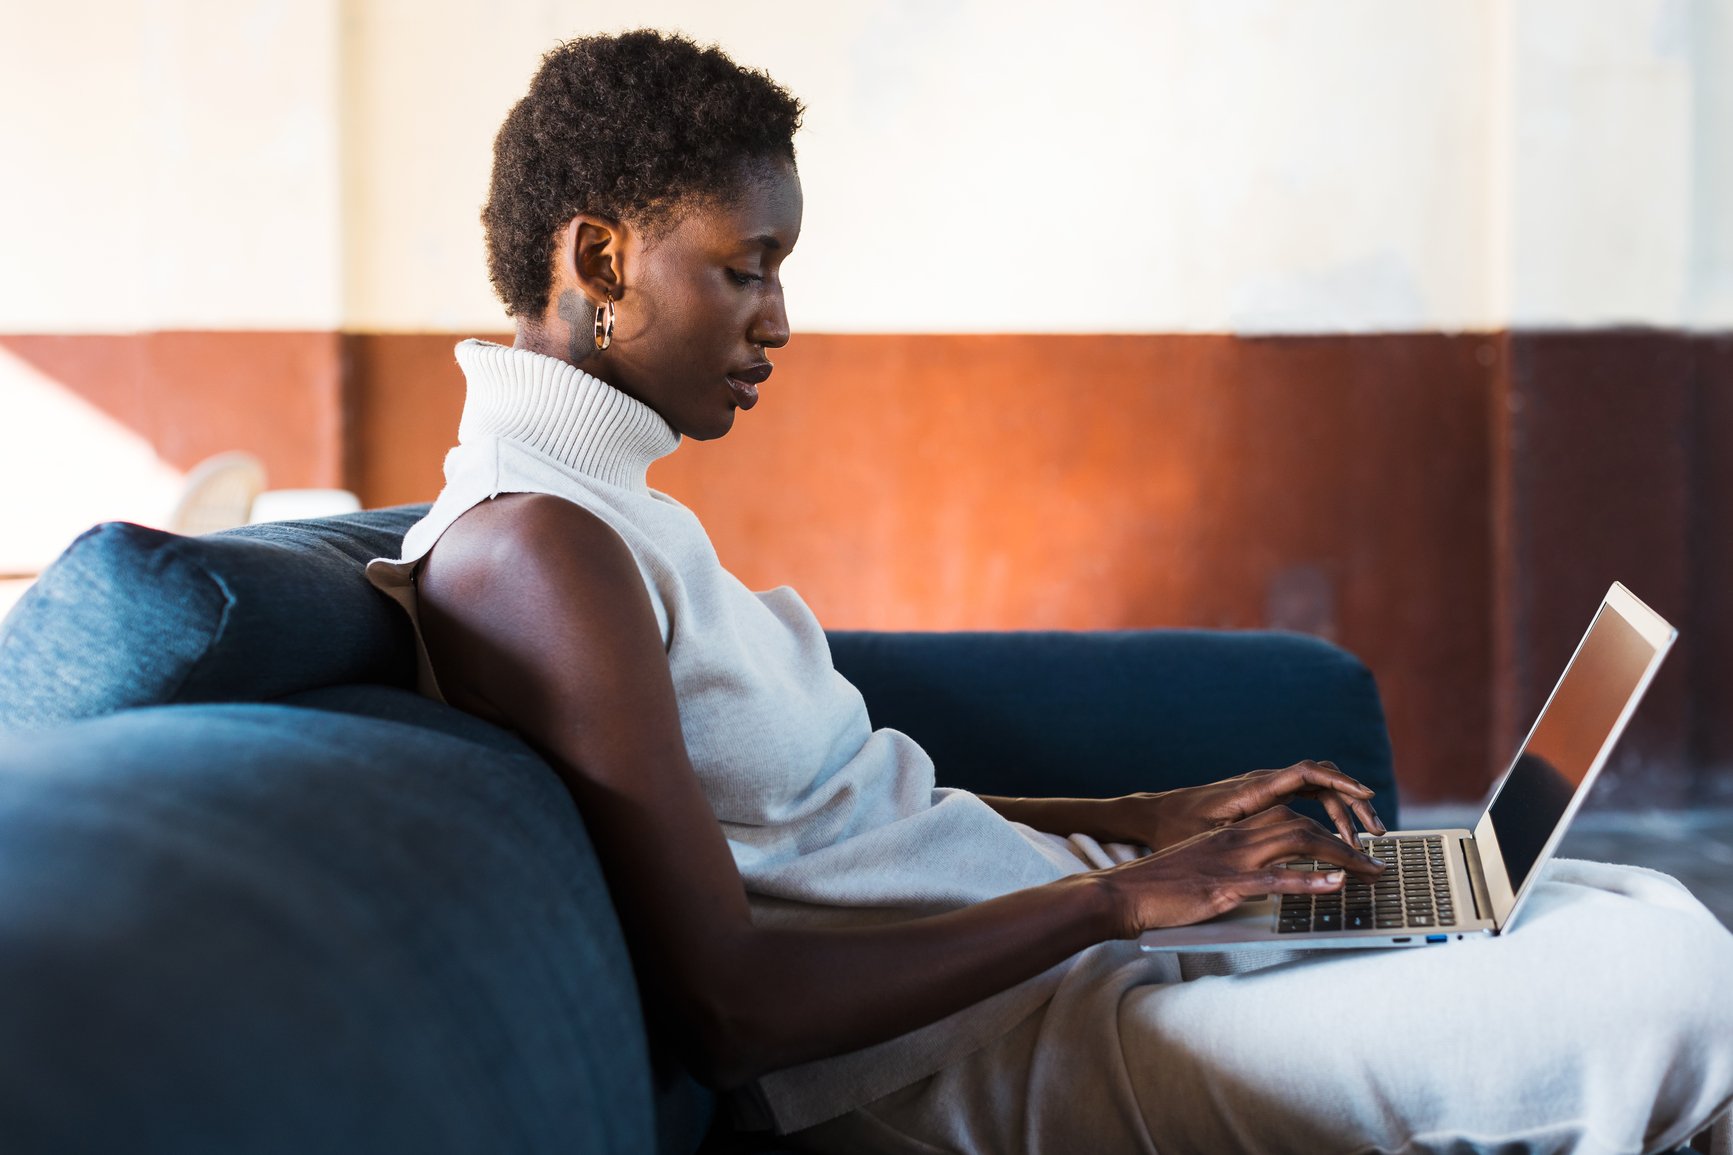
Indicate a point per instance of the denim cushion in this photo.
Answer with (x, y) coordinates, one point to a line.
(130, 616)
(257, 928)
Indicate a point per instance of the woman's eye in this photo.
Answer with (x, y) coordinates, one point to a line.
(740, 278)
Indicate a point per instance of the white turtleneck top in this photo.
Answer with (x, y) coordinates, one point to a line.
(830, 822)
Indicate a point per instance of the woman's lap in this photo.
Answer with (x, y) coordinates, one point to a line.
(1604, 1022)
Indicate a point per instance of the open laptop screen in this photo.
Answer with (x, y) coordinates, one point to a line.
(1561, 750)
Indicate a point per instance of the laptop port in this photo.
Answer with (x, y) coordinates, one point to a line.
(1437, 938)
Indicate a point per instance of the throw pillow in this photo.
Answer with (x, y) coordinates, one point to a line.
(129, 616)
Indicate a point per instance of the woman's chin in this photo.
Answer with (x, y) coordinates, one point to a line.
(711, 427)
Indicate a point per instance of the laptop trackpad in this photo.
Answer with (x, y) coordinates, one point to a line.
(1253, 919)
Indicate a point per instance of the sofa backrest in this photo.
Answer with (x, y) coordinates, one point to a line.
(129, 616)
(1100, 713)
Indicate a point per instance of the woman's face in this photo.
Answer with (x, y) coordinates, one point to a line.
(700, 302)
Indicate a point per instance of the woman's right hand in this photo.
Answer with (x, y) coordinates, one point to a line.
(1212, 872)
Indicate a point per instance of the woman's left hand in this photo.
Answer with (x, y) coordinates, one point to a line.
(1171, 817)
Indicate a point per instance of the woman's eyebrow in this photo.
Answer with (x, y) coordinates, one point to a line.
(766, 240)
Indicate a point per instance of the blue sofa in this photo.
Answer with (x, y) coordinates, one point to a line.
(256, 895)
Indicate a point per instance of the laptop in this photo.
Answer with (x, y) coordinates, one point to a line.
(1442, 886)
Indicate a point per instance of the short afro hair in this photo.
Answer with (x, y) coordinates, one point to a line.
(630, 127)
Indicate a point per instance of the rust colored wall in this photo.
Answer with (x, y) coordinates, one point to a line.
(1712, 596)
(405, 398)
(195, 394)
(1448, 507)
(1337, 485)
(1604, 453)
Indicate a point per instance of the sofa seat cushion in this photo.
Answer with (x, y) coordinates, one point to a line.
(268, 928)
(129, 616)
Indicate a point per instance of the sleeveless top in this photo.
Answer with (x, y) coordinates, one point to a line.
(831, 822)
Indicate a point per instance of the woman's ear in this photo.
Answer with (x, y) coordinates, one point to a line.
(590, 252)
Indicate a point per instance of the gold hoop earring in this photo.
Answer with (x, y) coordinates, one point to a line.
(605, 324)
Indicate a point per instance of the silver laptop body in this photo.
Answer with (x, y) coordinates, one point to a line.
(1445, 885)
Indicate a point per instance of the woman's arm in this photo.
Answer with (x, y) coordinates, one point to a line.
(1172, 816)
(535, 614)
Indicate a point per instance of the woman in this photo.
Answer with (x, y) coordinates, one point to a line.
(874, 962)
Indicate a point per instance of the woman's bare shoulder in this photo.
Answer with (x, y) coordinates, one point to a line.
(525, 589)
(537, 530)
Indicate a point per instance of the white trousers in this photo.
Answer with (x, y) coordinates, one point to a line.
(1603, 1022)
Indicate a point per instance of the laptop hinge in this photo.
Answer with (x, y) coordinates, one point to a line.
(1476, 878)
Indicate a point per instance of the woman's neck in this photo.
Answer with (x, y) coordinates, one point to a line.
(547, 404)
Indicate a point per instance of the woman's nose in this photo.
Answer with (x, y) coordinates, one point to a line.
(770, 326)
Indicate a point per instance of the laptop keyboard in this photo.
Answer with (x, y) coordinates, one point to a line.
(1413, 892)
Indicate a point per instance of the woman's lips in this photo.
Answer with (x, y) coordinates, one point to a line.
(745, 392)
(744, 383)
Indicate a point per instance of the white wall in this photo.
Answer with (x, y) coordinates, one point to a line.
(169, 164)
(976, 165)
(980, 165)
(1604, 161)
(1711, 47)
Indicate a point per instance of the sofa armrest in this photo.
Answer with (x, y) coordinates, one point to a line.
(272, 929)
(1104, 713)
